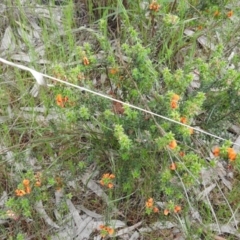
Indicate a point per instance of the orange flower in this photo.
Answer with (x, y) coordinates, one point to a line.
(182, 154)
(174, 101)
(20, 192)
(106, 230)
(110, 230)
(150, 207)
(173, 166)
(177, 209)
(154, 6)
(61, 100)
(183, 120)
(166, 212)
(230, 14)
(113, 71)
(101, 226)
(174, 104)
(175, 97)
(191, 131)
(106, 175)
(172, 144)
(216, 13)
(85, 61)
(38, 177)
(107, 180)
(156, 210)
(231, 154)
(150, 200)
(38, 184)
(200, 27)
(216, 151)
(149, 203)
(111, 176)
(26, 182)
(27, 189)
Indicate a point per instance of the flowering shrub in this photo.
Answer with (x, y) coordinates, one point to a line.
(106, 230)
(135, 152)
(107, 180)
(150, 207)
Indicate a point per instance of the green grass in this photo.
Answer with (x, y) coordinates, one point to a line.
(141, 57)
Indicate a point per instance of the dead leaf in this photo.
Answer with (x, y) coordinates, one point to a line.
(202, 40)
(206, 191)
(128, 229)
(237, 147)
(157, 226)
(40, 209)
(3, 198)
(135, 236)
(7, 43)
(228, 228)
